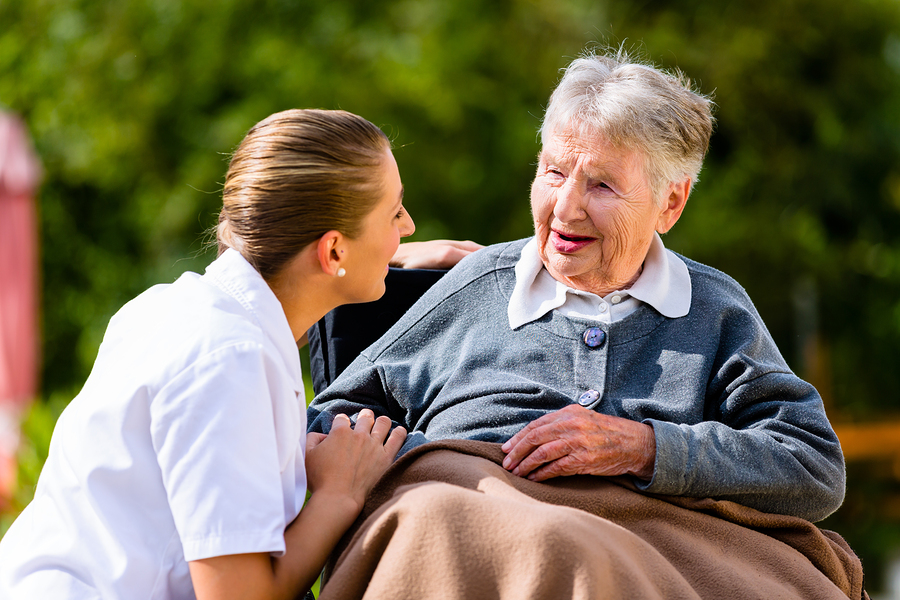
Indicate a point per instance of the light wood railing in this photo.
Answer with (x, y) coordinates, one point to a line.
(868, 441)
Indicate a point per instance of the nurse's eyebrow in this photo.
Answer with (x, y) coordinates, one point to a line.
(400, 199)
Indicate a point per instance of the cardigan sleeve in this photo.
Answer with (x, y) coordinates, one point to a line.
(360, 386)
(765, 440)
(783, 459)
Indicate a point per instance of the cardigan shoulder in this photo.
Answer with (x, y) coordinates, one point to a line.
(714, 286)
(479, 276)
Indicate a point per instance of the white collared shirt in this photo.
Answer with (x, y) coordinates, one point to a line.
(186, 442)
(664, 284)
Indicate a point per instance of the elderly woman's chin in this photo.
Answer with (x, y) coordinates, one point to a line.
(562, 265)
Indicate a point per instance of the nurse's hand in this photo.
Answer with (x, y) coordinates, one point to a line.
(436, 254)
(348, 461)
(341, 468)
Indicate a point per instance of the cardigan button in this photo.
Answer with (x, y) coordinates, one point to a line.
(589, 397)
(594, 337)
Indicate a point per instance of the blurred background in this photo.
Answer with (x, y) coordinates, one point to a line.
(133, 106)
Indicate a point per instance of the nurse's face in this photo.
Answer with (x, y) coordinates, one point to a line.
(379, 237)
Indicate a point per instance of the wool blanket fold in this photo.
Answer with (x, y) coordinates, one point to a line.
(447, 521)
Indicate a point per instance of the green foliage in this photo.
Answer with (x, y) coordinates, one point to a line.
(800, 190)
(37, 428)
(135, 105)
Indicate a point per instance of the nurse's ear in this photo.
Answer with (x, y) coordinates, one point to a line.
(330, 250)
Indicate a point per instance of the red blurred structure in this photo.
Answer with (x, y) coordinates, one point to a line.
(20, 174)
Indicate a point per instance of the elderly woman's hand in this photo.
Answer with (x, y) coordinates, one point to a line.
(578, 441)
(436, 254)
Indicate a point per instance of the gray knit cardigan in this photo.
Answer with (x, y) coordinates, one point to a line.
(731, 419)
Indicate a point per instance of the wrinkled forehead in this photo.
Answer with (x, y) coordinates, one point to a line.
(591, 146)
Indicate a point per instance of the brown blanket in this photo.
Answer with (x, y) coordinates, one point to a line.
(446, 521)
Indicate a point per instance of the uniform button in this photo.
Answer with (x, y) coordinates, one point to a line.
(594, 337)
(603, 308)
(616, 299)
(589, 397)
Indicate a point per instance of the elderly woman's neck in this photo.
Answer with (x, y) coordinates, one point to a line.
(596, 283)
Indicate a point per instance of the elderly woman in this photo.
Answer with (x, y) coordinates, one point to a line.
(591, 349)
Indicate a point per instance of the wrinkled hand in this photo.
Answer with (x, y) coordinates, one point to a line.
(349, 460)
(436, 254)
(578, 441)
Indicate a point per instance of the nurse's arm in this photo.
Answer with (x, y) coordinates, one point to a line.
(341, 469)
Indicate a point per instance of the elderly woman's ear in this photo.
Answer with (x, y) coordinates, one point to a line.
(676, 197)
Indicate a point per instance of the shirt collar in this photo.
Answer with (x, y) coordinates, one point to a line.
(664, 284)
(232, 273)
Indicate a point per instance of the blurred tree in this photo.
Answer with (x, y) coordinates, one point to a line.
(136, 105)
(800, 199)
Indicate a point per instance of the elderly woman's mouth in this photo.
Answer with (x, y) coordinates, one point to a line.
(569, 243)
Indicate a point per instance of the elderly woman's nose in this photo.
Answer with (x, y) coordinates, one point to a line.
(569, 202)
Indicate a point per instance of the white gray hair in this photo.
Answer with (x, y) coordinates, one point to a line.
(638, 107)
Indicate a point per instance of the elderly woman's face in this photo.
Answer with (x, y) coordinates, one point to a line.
(594, 213)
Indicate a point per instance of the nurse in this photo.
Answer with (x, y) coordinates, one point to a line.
(181, 468)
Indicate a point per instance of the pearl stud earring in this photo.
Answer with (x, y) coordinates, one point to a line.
(341, 272)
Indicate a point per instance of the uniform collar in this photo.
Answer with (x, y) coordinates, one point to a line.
(233, 274)
(664, 284)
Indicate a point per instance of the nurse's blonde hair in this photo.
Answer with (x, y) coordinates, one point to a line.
(295, 176)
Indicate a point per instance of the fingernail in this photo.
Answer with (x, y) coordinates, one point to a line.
(505, 447)
(506, 462)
